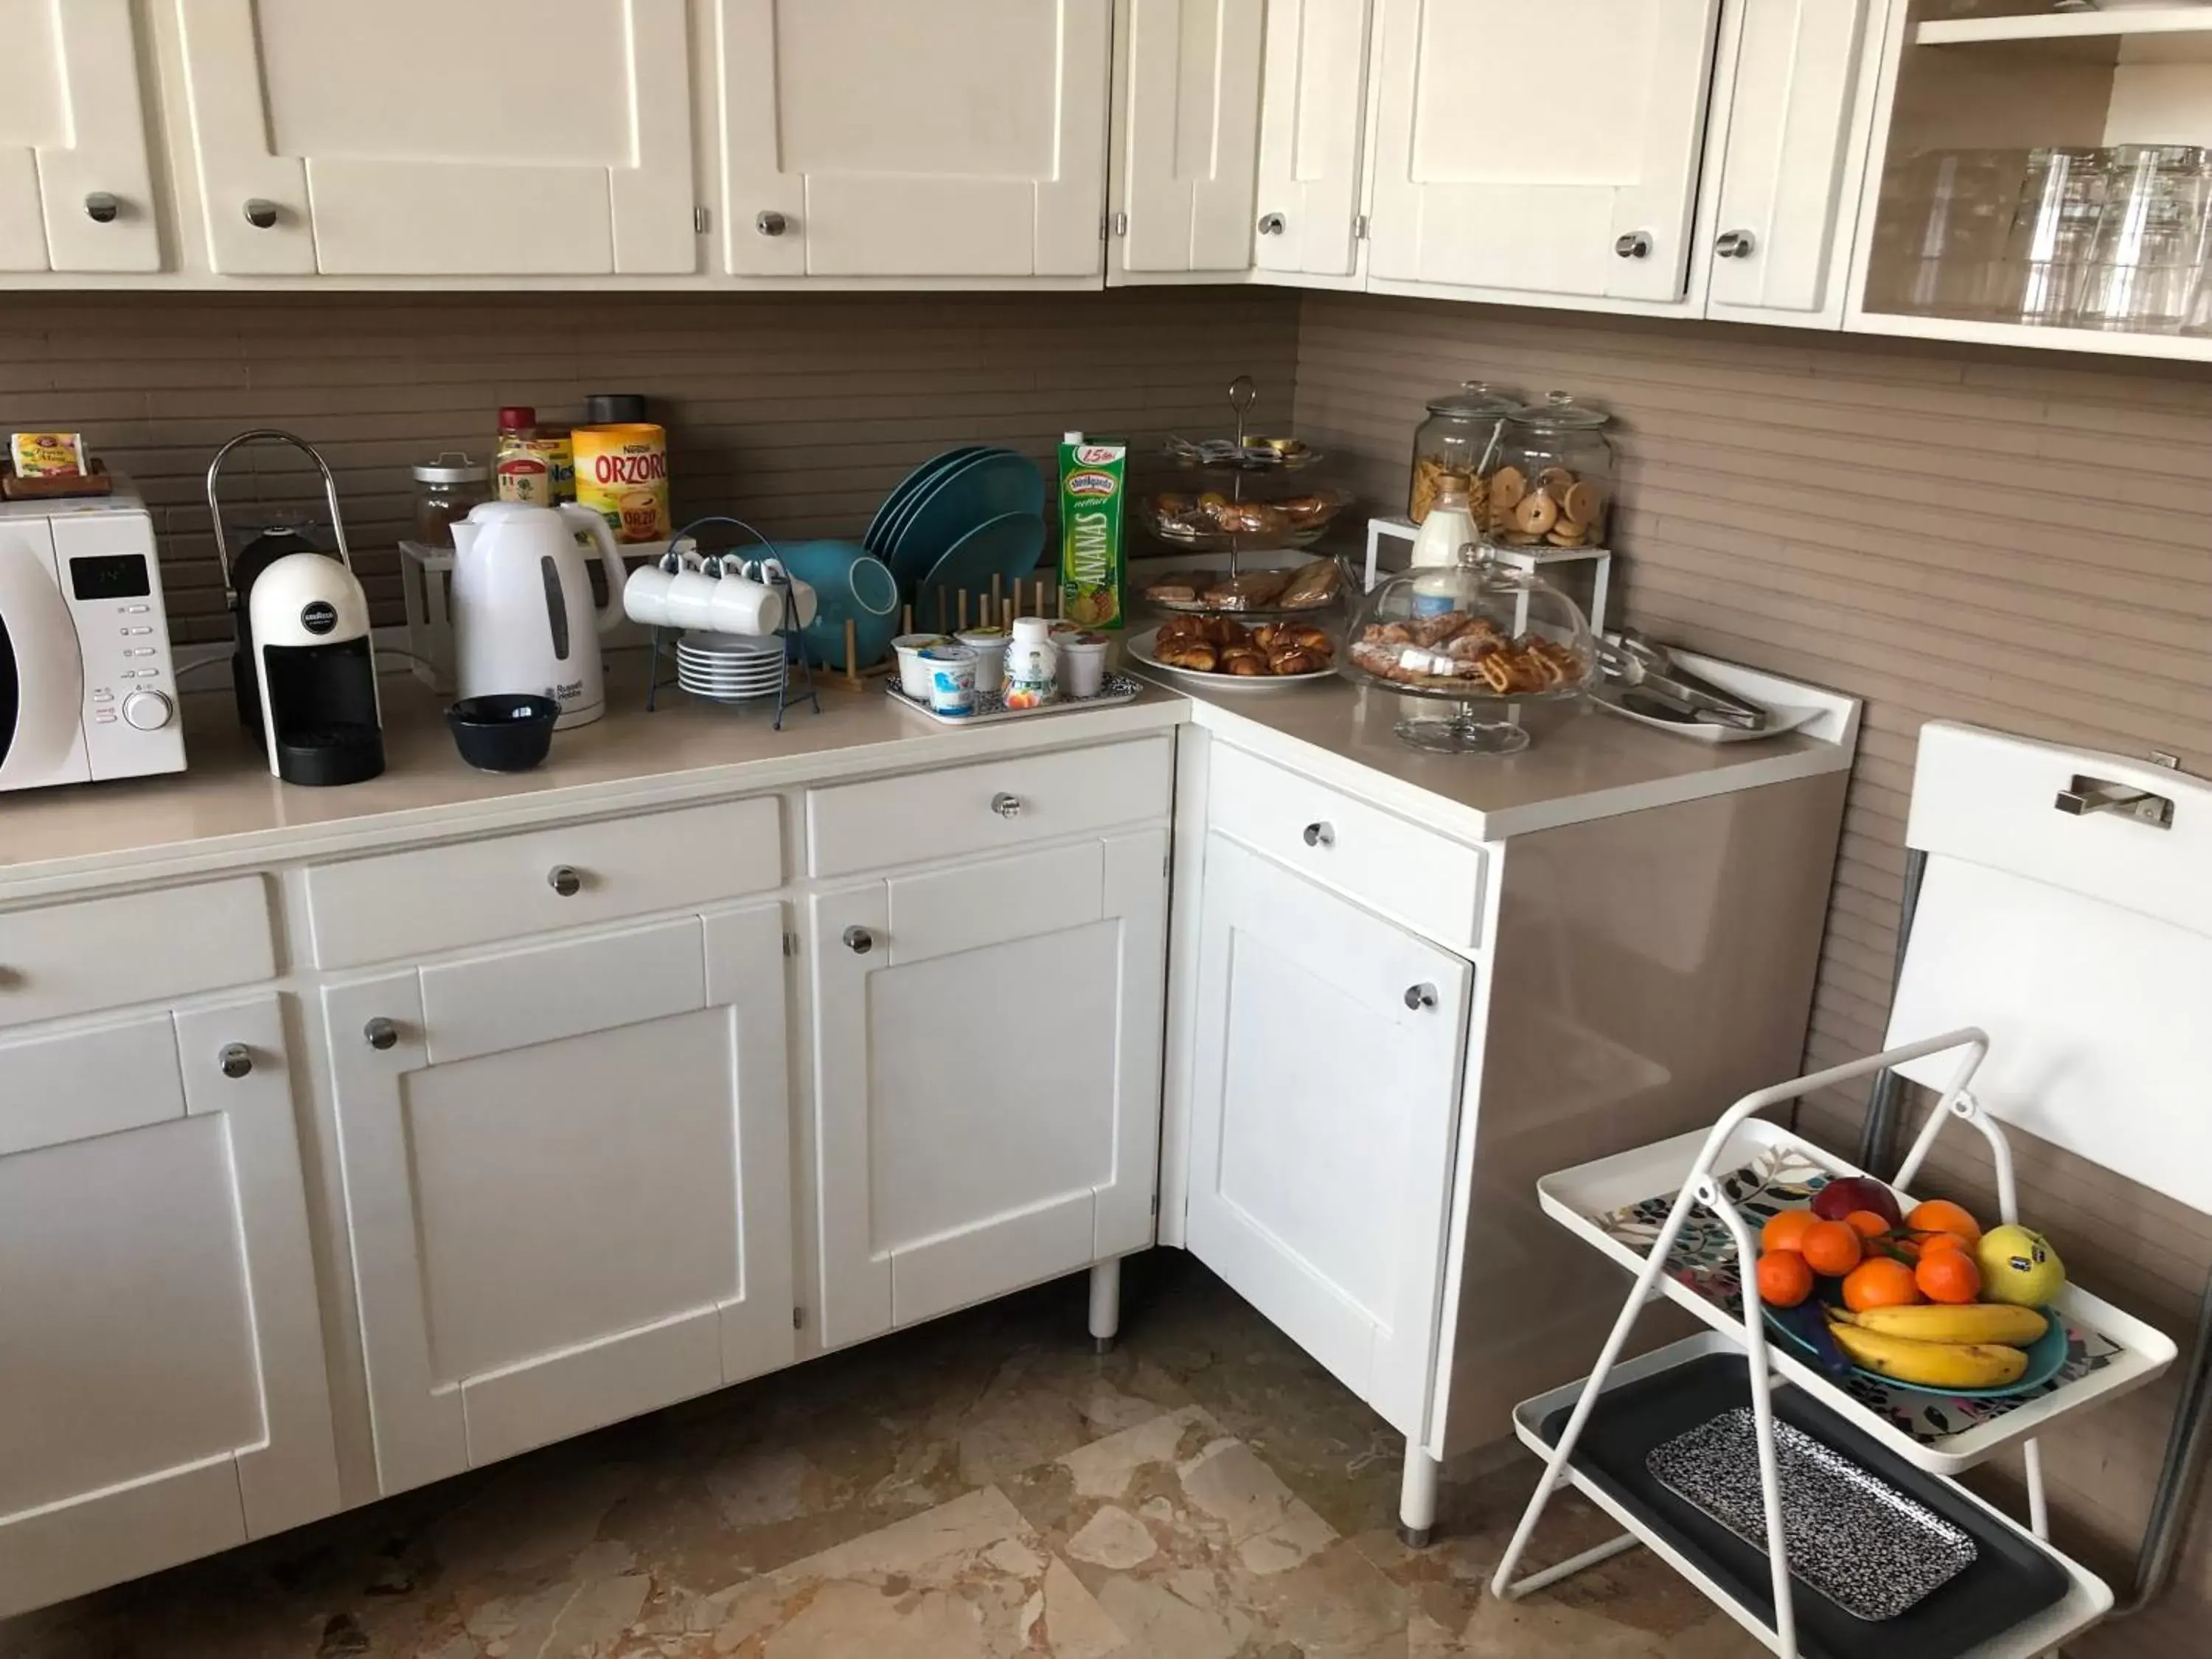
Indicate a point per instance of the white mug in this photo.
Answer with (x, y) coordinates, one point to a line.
(644, 595)
(742, 605)
(690, 597)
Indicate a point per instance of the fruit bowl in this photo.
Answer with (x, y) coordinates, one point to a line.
(2046, 1356)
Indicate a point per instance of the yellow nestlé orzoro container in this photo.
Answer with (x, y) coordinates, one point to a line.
(622, 474)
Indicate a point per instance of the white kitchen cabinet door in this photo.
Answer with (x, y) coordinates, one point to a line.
(1188, 87)
(1324, 1100)
(1548, 151)
(567, 1183)
(75, 191)
(1313, 119)
(1788, 103)
(987, 1076)
(421, 138)
(162, 1392)
(874, 138)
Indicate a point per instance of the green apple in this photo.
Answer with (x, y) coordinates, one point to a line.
(2019, 1266)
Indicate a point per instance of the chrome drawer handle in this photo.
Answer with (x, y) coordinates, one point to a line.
(236, 1060)
(1007, 806)
(859, 940)
(1735, 245)
(1321, 835)
(770, 223)
(1271, 224)
(1420, 996)
(1635, 245)
(101, 207)
(564, 879)
(260, 214)
(381, 1033)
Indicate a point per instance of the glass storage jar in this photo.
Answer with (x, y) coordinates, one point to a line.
(1552, 484)
(1479, 637)
(445, 491)
(1459, 439)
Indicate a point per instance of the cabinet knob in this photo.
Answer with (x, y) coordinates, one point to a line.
(1321, 835)
(1420, 996)
(381, 1033)
(101, 207)
(1735, 245)
(1634, 245)
(860, 941)
(1007, 806)
(260, 213)
(236, 1060)
(1271, 224)
(770, 222)
(564, 879)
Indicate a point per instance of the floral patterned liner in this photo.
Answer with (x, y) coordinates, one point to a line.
(1704, 1259)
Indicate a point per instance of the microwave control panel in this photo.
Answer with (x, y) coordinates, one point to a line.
(111, 584)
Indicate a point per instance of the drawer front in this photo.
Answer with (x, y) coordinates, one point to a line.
(439, 898)
(141, 947)
(985, 807)
(1428, 882)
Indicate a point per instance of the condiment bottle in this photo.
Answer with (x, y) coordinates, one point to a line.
(1030, 680)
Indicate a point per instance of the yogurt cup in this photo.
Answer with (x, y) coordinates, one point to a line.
(951, 670)
(989, 645)
(1082, 664)
(914, 673)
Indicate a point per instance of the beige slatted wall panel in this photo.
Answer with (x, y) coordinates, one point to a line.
(2017, 539)
(797, 411)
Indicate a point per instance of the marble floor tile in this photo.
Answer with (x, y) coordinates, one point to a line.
(981, 1485)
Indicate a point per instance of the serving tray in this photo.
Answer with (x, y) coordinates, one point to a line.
(990, 705)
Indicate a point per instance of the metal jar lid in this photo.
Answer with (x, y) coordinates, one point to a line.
(451, 467)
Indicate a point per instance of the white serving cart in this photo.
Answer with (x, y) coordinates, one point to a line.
(2053, 979)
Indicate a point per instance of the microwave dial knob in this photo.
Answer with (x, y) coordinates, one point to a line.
(147, 711)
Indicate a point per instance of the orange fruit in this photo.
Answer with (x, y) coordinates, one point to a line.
(1929, 1243)
(1941, 1215)
(1784, 1281)
(1879, 1282)
(1832, 1248)
(1783, 1231)
(1948, 1276)
(1867, 1223)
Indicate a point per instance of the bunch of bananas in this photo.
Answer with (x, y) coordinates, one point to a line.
(1977, 1346)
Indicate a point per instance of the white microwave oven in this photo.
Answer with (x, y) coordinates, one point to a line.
(87, 689)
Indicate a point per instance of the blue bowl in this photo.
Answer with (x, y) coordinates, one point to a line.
(849, 583)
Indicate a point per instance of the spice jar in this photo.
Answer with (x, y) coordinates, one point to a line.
(1554, 481)
(1458, 440)
(445, 491)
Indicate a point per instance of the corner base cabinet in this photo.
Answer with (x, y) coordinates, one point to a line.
(987, 1066)
(162, 1392)
(566, 1175)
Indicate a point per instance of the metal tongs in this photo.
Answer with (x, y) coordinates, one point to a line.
(1644, 664)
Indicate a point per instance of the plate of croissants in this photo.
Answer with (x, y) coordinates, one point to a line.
(1455, 654)
(1250, 656)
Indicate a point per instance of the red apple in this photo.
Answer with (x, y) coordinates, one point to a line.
(1847, 1192)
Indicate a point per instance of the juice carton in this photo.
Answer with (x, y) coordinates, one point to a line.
(1090, 566)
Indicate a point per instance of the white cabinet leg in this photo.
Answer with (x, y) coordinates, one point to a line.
(1417, 1497)
(1105, 1303)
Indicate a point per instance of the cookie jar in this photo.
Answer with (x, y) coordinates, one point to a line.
(1458, 440)
(1553, 483)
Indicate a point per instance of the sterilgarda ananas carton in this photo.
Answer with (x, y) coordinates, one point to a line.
(1090, 570)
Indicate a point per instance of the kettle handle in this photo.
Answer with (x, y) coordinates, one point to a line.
(610, 613)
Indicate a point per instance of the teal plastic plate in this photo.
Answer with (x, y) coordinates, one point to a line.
(2046, 1356)
(1006, 546)
(901, 496)
(984, 487)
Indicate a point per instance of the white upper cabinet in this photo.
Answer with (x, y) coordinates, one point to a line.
(1313, 119)
(877, 138)
(75, 191)
(567, 1183)
(162, 1392)
(1540, 152)
(418, 137)
(1790, 105)
(1185, 142)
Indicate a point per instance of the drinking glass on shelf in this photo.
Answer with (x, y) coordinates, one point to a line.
(2151, 239)
(2054, 228)
(1940, 240)
(2200, 303)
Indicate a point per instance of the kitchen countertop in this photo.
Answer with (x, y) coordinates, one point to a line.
(226, 811)
(1582, 763)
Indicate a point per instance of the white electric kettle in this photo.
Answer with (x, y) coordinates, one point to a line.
(523, 619)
